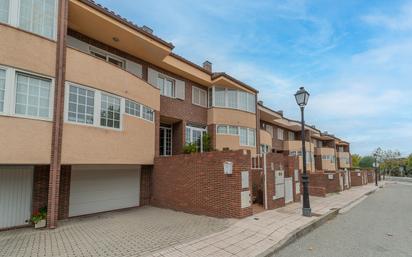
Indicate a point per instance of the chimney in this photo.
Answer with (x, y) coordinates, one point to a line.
(260, 102)
(207, 66)
(281, 112)
(147, 29)
(325, 132)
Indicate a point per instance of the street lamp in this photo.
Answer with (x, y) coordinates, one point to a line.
(376, 169)
(302, 97)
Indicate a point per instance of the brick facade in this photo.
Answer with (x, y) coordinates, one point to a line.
(64, 194)
(196, 183)
(324, 183)
(359, 178)
(146, 184)
(40, 187)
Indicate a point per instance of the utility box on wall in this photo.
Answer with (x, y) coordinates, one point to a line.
(228, 168)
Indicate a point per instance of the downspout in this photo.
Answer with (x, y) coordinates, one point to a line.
(57, 131)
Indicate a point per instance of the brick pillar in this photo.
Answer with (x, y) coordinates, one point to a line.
(146, 184)
(57, 132)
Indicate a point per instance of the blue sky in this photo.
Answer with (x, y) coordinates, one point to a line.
(355, 57)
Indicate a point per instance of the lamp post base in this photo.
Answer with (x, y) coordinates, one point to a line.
(307, 212)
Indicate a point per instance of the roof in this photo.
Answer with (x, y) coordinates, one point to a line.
(216, 75)
(190, 63)
(126, 22)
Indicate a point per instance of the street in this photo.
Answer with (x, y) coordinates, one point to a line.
(381, 225)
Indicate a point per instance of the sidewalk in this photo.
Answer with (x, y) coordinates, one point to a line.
(262, 233)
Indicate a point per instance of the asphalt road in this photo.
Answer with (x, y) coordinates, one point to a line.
(381, 225)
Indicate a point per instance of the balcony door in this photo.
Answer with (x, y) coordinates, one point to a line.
(194, 135)
(165, 140)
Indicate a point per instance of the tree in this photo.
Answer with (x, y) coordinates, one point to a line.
(355, 160)
(366, 162)
(409, 164)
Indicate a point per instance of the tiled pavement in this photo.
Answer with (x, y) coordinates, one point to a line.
(254, 235)
(158, 232)
(133, 232)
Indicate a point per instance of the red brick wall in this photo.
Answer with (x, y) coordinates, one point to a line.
(357, 179)
(317, 191)
(371, 176)
(145, 184)
(64, 192)
(40, 187)
(321, 180)
(196, 183)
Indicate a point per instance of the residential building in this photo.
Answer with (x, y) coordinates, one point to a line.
(87, 96)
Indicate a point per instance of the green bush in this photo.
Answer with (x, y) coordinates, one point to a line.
(207, 142)
(190, 148)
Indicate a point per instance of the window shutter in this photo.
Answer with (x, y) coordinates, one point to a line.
(152, 76)
(180, 89)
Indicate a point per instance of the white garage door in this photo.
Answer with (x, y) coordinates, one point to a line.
(103, 188)
(16, 187)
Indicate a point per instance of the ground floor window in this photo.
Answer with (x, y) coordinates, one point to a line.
(194, 135)
(165, 140)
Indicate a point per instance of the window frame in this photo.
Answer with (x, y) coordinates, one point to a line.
(67, 99)
(164, 77)
(93, 49)
(280, 131)
(14, 18)
(226, 101)
(199, 90)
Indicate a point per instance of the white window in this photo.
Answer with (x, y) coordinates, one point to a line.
(243, 136)
(319, 143)
(38, 16)
(247, 136)
(232, 98)
(340, 148)
(107, 57)
(148, 113)
(139, 110)
(210, 97)
(32, 95)
(243, 101)
(194, 135)
(233, 130)
(4, 10)
(199, 96)
(110, 111)
(251, 103)
(220, 97)
(133, 108)
(2, 88)
(81, 105)
(269, 129)
(222, 129)
(293, 153)
(280, 133)
(291, 135)
(167, 86)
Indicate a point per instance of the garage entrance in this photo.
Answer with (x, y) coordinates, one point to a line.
(99, 188)
(16, 189)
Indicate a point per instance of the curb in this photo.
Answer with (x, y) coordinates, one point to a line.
(299, 232)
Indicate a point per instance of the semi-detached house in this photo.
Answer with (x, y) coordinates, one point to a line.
(89, 101)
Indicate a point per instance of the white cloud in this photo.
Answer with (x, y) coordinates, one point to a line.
(400, 21)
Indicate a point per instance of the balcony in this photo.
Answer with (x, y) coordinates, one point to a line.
(324, 151)
(296, 145)
(90, 71)
(226, 116)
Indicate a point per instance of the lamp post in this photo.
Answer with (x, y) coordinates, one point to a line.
(302, 97)
(376, 170)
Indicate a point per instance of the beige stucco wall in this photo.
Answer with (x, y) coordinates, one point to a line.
(135, 144)
(342, 163)
(231, 142)
(265, 138)
(296, 145)
(90, 71)
(24, 141)
(326, 164)
(26, 51)
(231, 117)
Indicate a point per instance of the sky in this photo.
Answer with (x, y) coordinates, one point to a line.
(354, 57)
